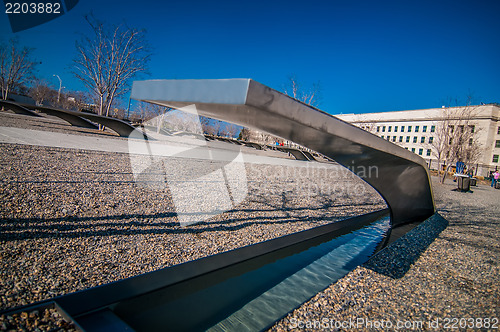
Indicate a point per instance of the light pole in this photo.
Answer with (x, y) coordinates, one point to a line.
(60, 86)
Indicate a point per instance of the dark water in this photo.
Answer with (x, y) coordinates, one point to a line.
(337, 257)
(252, 295)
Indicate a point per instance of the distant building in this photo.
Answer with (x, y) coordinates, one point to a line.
(415, 130)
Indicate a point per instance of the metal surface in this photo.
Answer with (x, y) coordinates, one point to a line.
(294, 152)
(79, 119)
(400, 176)
(122, 128)
(18, 109)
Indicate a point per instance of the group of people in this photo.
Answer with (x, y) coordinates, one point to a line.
(494, 178)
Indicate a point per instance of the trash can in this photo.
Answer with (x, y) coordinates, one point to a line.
(463, 182)
(497, 185)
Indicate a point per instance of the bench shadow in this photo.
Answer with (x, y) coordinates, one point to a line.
(396, 259)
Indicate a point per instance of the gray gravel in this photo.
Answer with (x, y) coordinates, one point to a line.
(47, 319)
(74, 219)
(442, 274)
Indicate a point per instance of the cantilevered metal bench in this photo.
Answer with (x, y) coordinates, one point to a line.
(79, 119)
(400, 176)
(294, 152)
(18, 109)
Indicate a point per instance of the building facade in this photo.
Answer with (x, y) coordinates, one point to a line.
(417, 131)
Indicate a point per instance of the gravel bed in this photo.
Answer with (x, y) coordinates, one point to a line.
(47, 319)
(442, 274)
(74, 219)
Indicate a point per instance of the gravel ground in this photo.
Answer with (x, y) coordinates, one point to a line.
(47, 319)
(74, 219)
(71, 220)
(442, 275)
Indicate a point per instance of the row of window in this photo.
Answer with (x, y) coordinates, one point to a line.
(402, 129)
(472, 128)
(420, 151)
(408, 138)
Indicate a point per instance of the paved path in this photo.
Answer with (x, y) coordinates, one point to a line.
(183, 147)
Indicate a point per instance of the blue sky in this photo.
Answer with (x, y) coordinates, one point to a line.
(370, 56)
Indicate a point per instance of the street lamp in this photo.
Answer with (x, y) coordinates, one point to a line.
(60, 86)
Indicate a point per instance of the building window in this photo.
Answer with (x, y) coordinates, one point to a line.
(389, 129)
(424, 129)
(471, 140)
(409, 129)
(451, 128)
(394, 138)
(420, 151)
(431, 139)
(403, 129)
(433, 129)
(415, 138)
(498, 132)
(495, 158)
(388, 137)
(383, 129)
(417, 128)
(395, 129)
(400, 138)
(382, 137)
(428, 152)
(422, 139)
(497, 143)
(472, 128)
(406, 148)
(407, 139)
(378, 129)
(413, 150)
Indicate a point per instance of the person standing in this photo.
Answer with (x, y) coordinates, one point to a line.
(494, 178)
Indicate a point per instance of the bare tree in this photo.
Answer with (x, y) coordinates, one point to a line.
(217, 125)
(456, 137)
(41, 91)
(107, 61)
(296, 90)
(245, 134)
(210, 126)
(152, 114)
(230, 130)
(16, 67)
